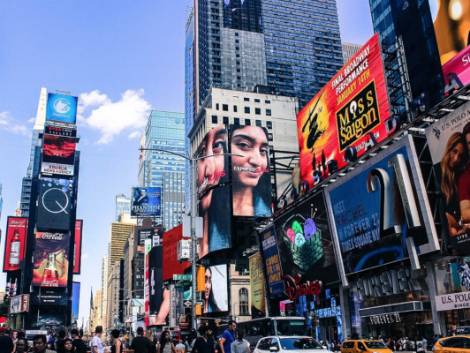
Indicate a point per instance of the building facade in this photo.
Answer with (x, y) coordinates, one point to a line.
(123, 205)
(349, 49)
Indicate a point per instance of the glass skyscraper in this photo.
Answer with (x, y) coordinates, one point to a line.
(165, 131)
(123, 206)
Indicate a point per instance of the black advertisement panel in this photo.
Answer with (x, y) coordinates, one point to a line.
(49, 296)
(143, 234)
(55, 204)
(155, 279)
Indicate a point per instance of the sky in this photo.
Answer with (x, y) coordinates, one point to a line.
(122, 58)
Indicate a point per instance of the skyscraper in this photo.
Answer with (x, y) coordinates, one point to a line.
(165, 131)
(123, 205)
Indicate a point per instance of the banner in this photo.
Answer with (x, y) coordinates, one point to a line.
(454, 301)
(257, 285)
(373, 209)
(51, 259)
(61, 108)
(457, 71)
(147, 249)
(15, 243)
(272, 262)
(449, 145)
(77, 248)
(146, 202)
(55, 204)
(346, 118)
(171, 265)
(216, 289)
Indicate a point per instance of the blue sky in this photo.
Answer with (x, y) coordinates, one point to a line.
(122, 57)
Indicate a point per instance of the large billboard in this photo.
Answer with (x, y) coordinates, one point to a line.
(51, 259)
(55, 204)
(449, 145)
(15, 243)
(77, 248)
(146, 202)
(346, 117)
(61, 108)
(272, 262)
(58, 155)
(457, 71)
(374, 208)
(171, 265)
(215, 294)
(257, 286)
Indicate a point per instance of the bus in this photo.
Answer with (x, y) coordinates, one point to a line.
(272, 326)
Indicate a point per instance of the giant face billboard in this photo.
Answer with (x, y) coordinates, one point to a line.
(376, 206)
(346, 117)
(15, 243)
(58, 155)
(449, 145)
(146, 202)
(51, 259)
(61, 108)
(216, 289)
(77, 248)
(55, 204)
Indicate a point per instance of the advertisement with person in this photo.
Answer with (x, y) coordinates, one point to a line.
(272, 262)
(58, 155)
(55, 204)
(213, 191)
(347, 117)
(77, 248)
(15, 243)
(257, 286)
(457, 71)
(215, 289)
(449, 145)
(374, 208)
(146, 202)
(51, 259)
(251, 181)
(61, 108)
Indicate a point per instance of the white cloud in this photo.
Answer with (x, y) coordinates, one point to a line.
(7, 123)
(99, 112)
(134, 135)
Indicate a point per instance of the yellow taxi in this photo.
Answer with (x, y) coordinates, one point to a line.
(364, 346)
(453, 344)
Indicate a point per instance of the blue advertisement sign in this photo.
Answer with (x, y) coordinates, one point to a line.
(75, 300)
(370, 215)
(61, 108)
(272, 263)
(146, 202)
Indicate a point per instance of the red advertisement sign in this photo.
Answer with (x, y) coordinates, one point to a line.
(346, 117)
(171, 265)
(457, 71)
(51, 259)
(77, 248)
(15, 243)
(59, 149)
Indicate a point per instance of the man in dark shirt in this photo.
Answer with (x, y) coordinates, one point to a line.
(77, 342)
(6, 343)
(204, 343)
(141, 344)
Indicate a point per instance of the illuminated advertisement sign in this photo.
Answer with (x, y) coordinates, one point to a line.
(257, 285)
(171, 265)
(55, 204)
(58, 155)
(51, 259)
(147, 248)
(373, 209)
(215, 294)
(457, 71)
(49, 318)
(346, 117)
(77, 249)
(143, 234)
(449, 145)
(272, 262)
(15, 243)
(61, 108)
(146, 202)
(64, 131)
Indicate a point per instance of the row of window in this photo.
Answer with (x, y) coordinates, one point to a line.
(247, 110)
(237, 121)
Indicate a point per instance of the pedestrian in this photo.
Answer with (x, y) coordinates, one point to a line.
(6, 343)
(68, 346)
(97, 345)
(228, 337)
(40, 344)
(80, 346)
(165, 345)
(141, 344)
(59, 343)
(21, 346)
(240, 345)
(116, 345)
(421, 345)
(180, 346)
(204, 343)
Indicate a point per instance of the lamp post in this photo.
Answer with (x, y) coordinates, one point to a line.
(192, 215)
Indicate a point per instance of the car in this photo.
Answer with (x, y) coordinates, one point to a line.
(364, 346)
(289, 344)
(460, 344)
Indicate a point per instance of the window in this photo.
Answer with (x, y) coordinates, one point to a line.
(257, 100)
(236, 121)
(360, 346)
(247, 110)
(258, 111)
(235, 108)
(225, 107)
(268, 112)
(214, 119)
(269, 124)
(247, 122)
(243, 297)
(258, 122)
(246, 99)
(225, 120)
(217, 106)
(267, 101)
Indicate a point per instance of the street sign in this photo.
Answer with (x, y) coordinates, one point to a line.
(186, 277)
(187, 303)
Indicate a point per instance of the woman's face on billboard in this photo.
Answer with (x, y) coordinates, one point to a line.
(210, 170)
(208, 284)
(249, 155)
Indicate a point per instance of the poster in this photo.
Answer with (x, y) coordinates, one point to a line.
(61, 108)
(146, 202)
(257, 286)
(15, 243)
(272, 262)
(77, 248)
(215, 294)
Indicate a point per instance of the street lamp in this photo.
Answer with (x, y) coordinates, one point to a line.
(192, 215)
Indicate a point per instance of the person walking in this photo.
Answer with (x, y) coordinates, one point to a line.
(40, 345)
(21, 346)
(68, 346)
(116, 345)
(6, 343)
(180, 346)
(80, 346)
(141, 344)
(165, 345)
(203, 343)
(228, 337)
(96, 344)
(240, 345)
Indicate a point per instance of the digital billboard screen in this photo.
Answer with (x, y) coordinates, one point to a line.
(257, 286)
(51, 259)
(374, 207)
(15, 243)
(272, 262)
(457, 71)
(77, 248)
(146, 202)
(63, 130)
(61, 108)
(55, 204)
(449, 145)
(215, 294)
(347, 116)
(58, 155)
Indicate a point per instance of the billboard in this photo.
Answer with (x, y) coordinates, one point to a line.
(449, 145)
(155, 279)
(58, 155)
(272, 262)
(55, 204)
(171, 265)
(457, 71)
(61, 108)
(346, 117)
(77, 248)
(51, 259)
(15, 243)
(19, 304)
(376, 206)
(63, 130)
(147, 248)
(257, 286)
(145, 233)
(215, 289)
(146, 202)
(75, 300)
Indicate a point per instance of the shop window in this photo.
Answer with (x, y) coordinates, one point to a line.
(243, 298)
